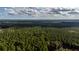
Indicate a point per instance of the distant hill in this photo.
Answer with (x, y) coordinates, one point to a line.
(42, 23)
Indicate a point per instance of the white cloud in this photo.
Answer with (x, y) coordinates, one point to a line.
(42, 12)
(10, 11)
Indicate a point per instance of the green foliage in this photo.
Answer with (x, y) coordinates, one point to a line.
(38, 39)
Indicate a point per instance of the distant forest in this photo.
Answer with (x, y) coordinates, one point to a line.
(42, 23)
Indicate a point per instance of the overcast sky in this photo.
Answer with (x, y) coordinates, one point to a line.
(36, 3)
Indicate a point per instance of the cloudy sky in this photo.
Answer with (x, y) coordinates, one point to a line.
(4, 14)
(38, 13)
(8, 10)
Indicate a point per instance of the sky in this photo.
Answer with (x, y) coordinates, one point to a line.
(23, 13)
(35, 3)
(4, 14)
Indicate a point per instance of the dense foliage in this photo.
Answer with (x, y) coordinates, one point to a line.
(39, 39)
